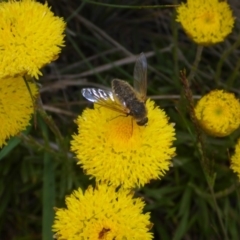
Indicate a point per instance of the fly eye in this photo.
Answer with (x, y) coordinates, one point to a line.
(142, 122)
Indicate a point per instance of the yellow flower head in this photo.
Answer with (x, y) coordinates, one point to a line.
(30, 37)
(102, 213)
(113, 148)
(218, 113)
(235, 159)
(206, 21)
(16, 106)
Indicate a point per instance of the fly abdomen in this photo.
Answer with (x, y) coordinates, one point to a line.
(126, 95)
(123, 91)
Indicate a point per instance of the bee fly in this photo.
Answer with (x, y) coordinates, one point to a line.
(124, 98)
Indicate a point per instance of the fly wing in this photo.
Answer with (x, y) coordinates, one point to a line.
(102, 97)
(97, 94)
(140, 76)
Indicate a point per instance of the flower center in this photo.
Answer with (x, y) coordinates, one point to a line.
(122, 132)
(121, 129)
(209, 18)
(219, 111)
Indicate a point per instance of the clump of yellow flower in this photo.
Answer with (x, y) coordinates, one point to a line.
(114, 149)
(102, 213)
(30, 37)
(16, 106)
(235, 159)
(206, 21)
(218, 113)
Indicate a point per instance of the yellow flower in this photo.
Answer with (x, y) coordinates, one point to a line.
(114, 149)
(16, 106)
(235, 159)
(30, 37)
(218, 113)
(206, 21)
(102, 213)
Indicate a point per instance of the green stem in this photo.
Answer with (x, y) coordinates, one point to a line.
(223, 59)
(51, 124)
(233, 75)
(220, 194)
(128, 7)
(218, 212)
(195, 63)
(48, 196)
(29, 90)
(175, 48)
(204, 161)
(75, 12)
(30, 141)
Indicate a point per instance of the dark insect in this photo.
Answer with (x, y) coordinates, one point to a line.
(124, 98)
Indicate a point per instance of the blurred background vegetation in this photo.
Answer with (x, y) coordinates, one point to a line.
(102, 42)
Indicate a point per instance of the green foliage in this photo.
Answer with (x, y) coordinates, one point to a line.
(101, 41)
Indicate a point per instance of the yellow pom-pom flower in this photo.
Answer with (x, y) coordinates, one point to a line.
(235, 159)
(206, 21)
(218, 113)
(16, 106)
(102, 213)
(30, 37)
(114, 149)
